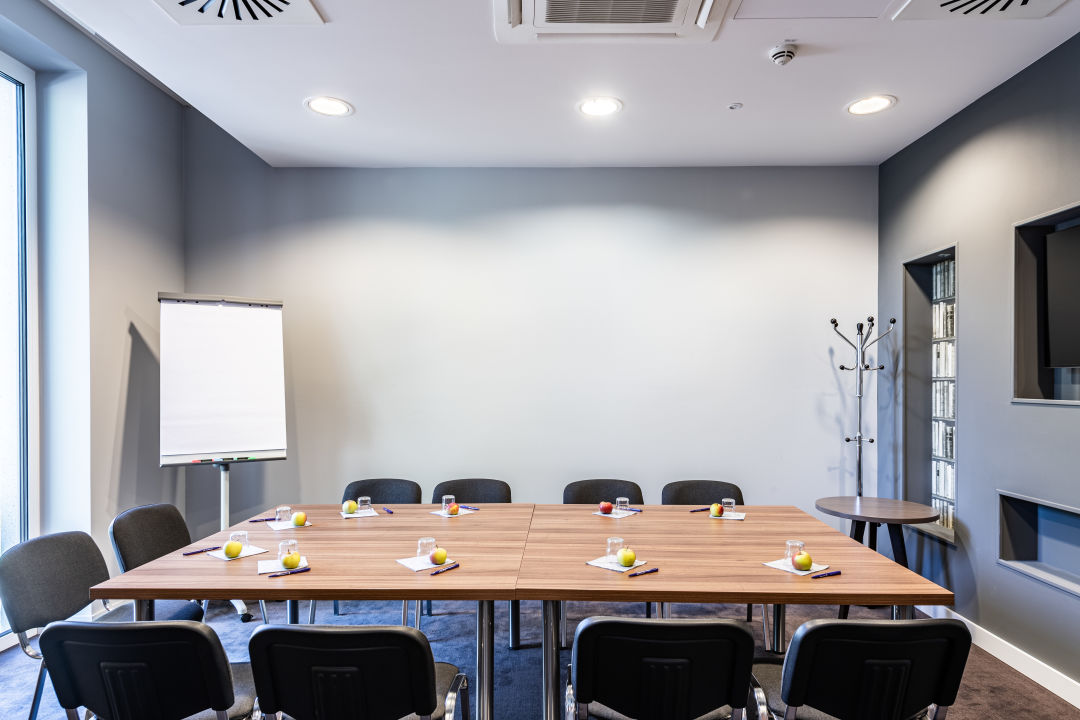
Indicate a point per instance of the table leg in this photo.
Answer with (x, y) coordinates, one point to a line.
(551, 671)
(899, 550)
(485, 659)
(142, 611)
(779, 628)
(292, 612)
(871, 540)
(901, 612)
(857, 527)
(515, 624)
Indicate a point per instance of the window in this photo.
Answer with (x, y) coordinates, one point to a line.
(16, 104)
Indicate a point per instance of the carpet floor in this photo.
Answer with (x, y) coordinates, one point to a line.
(991, 689)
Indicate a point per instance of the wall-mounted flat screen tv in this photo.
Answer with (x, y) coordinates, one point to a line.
(1063, 298)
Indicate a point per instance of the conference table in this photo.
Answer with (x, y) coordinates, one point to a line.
(539, 552)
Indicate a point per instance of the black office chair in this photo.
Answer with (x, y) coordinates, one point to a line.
(671, 669)
(593, 492)
(384, 491)
(700, 492)
(478, 490)
(46, 579)
(145, 533)
(704, 492)
(135, 671)
(868, 670)
(331, 672)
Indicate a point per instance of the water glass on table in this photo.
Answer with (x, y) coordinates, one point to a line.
(283, 514)
(728, 505)
(612, 548)
(622, 504)
(363, 503)
(447, 501)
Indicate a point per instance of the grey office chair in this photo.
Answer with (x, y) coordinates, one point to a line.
(136, 671)
(868, 670)
(331, 672)
(46, 579)
(145, 533)
(704, 492)
(595, 491)
(670, 669)
(384, 491)
(478, 490)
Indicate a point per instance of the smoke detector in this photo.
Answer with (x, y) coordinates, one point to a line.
(782, 54)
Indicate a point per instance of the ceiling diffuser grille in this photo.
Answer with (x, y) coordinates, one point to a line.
(974, 9)
(611, 11)
(241, 12)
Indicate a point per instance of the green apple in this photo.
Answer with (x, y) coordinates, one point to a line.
(437, 556)
(291, 561)
(802, 561)
(349, 507)
(299, 518)
(716, 509)
(626, 557)
(233, 549)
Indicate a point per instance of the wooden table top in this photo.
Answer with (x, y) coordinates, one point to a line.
(879, 510)
(521, 551)
(351, 559)
(702, 559)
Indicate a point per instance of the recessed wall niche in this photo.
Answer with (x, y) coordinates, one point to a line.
(1046, 353)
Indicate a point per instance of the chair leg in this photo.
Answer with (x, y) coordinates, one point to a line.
(648, 610)
(427, 608)
(38, 688)
(562, 625)
(262, 610)
(416, 615)
(337, 608)
(843, 614)
(311, 613)
(515, 624)
(405, 613)
(72, 714)
(664, 610)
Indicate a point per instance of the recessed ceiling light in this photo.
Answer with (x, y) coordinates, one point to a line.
(332, 106)
(600, 106)
(871, 105)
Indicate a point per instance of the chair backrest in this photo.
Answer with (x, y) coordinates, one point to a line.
(671, 669)
(875, 669)
(700, 492)
(343, 673)
(391, 491)
(138, 670)
(49, 578)
(590, 492)
(147, 532)
(473, 490)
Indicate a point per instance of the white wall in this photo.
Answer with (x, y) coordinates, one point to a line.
(544, 326)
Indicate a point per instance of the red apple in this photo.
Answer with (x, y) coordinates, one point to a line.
(453, 509)
(606, 507)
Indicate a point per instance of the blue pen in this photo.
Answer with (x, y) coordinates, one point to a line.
(827, 574)
(448, 567)
(388, 510)
(644, 572)
(469, 507)
(634, 510)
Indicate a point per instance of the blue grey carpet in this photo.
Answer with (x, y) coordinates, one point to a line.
(991, 689)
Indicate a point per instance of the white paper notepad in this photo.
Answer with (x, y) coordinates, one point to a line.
(604, 563)
(616, 514)
(269, 566)
(461, 511)
(416, 564)
(370, 512)
(729, 516)
(246, 552)
(274, 525)
(785, 565)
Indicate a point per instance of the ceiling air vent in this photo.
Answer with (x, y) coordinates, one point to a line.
(529, 21)
(241, 12)
(996, 9)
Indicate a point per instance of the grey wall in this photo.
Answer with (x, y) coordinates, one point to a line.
(1011, 155)
(111, 238)
(543, 326)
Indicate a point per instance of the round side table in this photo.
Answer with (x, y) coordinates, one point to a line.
(872, 512)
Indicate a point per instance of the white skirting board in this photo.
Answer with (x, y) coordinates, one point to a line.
(1050, 678)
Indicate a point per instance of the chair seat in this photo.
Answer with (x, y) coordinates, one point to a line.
(769, 676)
(603, 712)
(243, 694)
(444, 676)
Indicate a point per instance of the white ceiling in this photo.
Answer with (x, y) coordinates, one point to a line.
(432, 87)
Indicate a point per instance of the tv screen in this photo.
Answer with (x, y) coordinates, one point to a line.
(1063, 298)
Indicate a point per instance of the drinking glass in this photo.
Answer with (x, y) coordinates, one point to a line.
(363, 503)
(425, 546)
(287, 546)
(283, 514)
(447, 501)
(239, 536)
(614, 545)
(794, 547)
(729, 505)
(622, 503)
